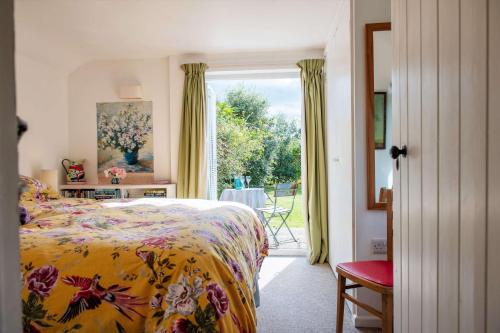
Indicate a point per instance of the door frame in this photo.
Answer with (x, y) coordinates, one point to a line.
(10, 286)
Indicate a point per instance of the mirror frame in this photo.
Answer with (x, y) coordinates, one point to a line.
(370, 28)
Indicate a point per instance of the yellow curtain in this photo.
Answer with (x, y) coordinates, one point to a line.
(192, 173)
(314, 166)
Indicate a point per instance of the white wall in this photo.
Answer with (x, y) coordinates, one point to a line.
(163, 83)
(99, 81)
(175, 94)
(351, 224)
(339, 136)
(369, 223)
(42, 101)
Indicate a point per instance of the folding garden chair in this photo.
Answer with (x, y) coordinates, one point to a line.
(267, 213)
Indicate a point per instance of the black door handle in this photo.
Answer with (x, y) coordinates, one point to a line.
(396, 151)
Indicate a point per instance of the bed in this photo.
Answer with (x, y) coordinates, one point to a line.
(145, 265)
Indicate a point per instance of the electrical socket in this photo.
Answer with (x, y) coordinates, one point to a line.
(379, 246)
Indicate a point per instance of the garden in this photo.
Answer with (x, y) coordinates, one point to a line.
(253, 142)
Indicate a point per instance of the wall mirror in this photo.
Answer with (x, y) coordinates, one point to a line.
(378, 113)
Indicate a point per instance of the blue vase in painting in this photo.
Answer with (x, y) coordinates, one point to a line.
(131, 157)
(115, 180)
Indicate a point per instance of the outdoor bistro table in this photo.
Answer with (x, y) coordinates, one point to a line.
(252, 197)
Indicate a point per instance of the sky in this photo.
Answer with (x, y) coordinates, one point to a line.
(283, 94)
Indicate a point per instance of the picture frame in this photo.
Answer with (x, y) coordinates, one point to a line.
(125, 140)
(380, 119)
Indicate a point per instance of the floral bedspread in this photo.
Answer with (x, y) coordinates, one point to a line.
(147, 265)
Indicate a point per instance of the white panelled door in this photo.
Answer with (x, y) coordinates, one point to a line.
(446, 82)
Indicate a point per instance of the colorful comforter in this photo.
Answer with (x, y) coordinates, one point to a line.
(148, 265)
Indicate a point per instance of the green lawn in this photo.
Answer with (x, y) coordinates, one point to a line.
(296, 219)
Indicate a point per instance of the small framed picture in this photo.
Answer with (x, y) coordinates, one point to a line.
(380, 119)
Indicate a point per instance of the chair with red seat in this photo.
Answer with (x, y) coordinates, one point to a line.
(376, 275)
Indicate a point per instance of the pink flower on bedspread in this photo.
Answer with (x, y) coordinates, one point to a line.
(230, 230)
(81, 240)
(31, 329)
(217, 297)
(142, 224)
(115, 221)
(181, 325)
(160, 242)
(210, 237)
(258, 233)
(156, 300)
(182, 297)
(54, 233)
(42, 280)
(44, 223)
(24, 215)
(236, 322)
(238, 274)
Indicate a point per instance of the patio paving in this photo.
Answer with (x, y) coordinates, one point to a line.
(286, 244)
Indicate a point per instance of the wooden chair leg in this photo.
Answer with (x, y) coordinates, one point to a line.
(387, 313)
(340, 303)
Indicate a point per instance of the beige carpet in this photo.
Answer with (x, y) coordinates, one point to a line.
(296, 297)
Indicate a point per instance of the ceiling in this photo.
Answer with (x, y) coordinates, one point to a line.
(83, 30)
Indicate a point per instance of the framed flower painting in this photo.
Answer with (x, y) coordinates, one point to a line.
(125, 139)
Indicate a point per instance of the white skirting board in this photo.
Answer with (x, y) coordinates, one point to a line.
(366, 321)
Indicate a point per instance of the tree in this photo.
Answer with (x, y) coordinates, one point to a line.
(252, 108)
(259, 167)
(286, 162)
(250, 142)
(248, 105)
(236, 144)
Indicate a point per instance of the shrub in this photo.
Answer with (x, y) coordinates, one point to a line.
(250, 142)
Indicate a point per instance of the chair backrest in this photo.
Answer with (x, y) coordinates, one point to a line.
(388, 195)
(382, 195)
(285, 190)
